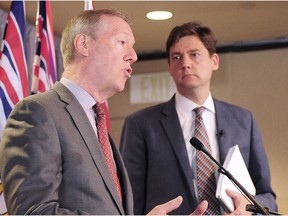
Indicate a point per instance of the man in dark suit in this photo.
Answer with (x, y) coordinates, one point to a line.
(51, 161)
(155, 141)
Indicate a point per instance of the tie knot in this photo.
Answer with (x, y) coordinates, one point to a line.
(98, 108)
(199, 110)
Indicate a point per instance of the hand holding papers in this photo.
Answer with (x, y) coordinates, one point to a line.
(235, 164)
(199, 146)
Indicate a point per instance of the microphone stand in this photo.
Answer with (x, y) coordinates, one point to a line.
(257, 208)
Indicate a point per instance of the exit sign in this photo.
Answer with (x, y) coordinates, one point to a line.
(151, 87)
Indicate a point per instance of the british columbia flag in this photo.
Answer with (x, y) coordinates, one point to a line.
(44, 66)
(13, 69)
(13, 61)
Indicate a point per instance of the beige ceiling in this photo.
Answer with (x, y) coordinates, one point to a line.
(231, 21)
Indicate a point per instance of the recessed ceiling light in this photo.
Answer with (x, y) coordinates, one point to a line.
(159, 15)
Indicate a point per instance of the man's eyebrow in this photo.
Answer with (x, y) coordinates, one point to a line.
(189, 51)
(175, 53)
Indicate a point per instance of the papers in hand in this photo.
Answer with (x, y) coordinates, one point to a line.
(235, 164)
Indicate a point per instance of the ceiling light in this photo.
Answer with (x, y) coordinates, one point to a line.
(159, 15)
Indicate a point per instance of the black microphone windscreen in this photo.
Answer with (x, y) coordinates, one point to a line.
(196, 143)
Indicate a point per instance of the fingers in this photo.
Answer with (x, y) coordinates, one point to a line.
(236, 196)
(231, 193)
(240, 203)
(172, 204)
(166, 207)
(201, 208)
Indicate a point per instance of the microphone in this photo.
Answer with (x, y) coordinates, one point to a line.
(197, 144)
(220, 134)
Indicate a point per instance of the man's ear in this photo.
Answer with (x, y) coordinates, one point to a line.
(80, 44)
(215, 60)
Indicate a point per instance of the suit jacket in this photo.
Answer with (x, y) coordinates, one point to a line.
(51, 161)
(154, 152)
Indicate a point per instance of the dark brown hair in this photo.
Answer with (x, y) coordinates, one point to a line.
(192, 28)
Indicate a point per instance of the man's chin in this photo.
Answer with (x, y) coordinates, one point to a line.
(120, 88)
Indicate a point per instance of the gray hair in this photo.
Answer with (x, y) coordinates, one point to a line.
(85, 22)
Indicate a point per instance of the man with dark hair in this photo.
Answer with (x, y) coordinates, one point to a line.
(155, 141)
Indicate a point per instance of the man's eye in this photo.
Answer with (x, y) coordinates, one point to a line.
(175, 57)
(195, 55)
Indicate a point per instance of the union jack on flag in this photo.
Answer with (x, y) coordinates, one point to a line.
(44, 67)
(13, 61)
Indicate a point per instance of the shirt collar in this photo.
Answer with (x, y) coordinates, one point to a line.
(185, 105)
(84, 98)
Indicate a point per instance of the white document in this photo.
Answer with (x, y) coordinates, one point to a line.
(235, 164)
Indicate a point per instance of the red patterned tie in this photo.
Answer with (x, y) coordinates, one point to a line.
(105, 145)
(205, 168)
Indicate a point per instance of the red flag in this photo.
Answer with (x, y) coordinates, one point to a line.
(13, 61)
(89, 5)
(44, 71)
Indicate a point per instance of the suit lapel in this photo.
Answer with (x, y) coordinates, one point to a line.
(127, 196)
(85, 129)
(223, 122)
(172, 128)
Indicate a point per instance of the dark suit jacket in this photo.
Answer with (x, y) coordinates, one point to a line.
(51, 161)
(155, 155)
